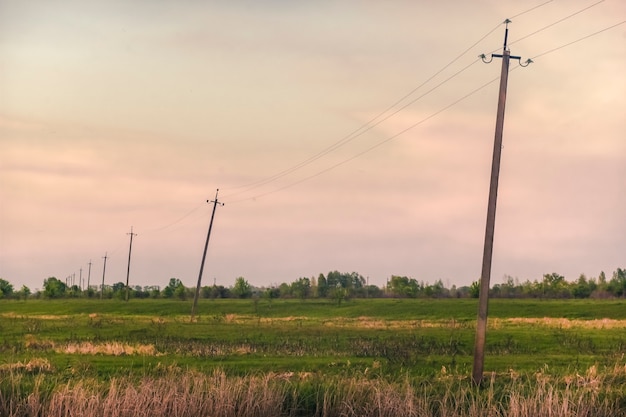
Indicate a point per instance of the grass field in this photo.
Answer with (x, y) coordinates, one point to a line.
(315, 347)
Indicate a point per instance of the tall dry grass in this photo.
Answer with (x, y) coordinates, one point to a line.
(182, 394)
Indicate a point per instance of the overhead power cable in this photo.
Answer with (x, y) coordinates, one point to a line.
(366, 127)
(180, 219)
(379, 118)
(375, 121)
(578, 40)
(396, 135)
(371, 148)
(557, 22)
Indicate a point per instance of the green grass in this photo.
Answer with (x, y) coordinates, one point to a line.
(399, 341)
(391, 309)
(400, 335)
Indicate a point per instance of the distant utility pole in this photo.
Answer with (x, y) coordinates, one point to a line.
(103, 272)
(206, 245)
(89, 275)
(80, 278)
(483, 301)
(129, 251)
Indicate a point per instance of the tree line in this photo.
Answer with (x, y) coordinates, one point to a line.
(339, 287)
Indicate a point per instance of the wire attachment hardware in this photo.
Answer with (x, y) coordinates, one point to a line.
(526, 63)
(484, 58)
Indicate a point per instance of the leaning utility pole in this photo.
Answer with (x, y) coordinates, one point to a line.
(129, 251)
(206, 245)
(89, 276)
(483, 301)
(103, 272)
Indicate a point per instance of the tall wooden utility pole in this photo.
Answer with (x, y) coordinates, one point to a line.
(129, 251)
(485, 276)
(103, 272)
(89, 275)
(206, 245)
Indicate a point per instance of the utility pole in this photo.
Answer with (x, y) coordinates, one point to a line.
(80, 278)
(103, 272)
(483, 301)
(89, 275)
(206, 245)
(129, 251)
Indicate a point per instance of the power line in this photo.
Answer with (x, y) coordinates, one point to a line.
(361, 130)
(530, 10)
(421, 121)
(556, 23)
(578, 40)
(375, 121)
(551, 24)
(371, 148)
(370, 124)
(180, 219)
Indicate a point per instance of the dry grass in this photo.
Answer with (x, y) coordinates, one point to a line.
(111, 348)
(561, 323)
(38, 365)
(108, 348)
(182, 394)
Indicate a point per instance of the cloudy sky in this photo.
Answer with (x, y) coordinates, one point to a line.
(120, 114)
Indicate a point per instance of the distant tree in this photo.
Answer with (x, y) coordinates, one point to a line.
(155, 292)
(140, 292)
(617, 284)
(180, 292)
(53, 288)
(402, 286)
(119, 290)
(284, 290)
(348, 282)
(373, 291)
(555, 286)
(508, 289)
(474, 289)
(172, 286)
(24, 293)
(271, 293)
(6, 289)
(583, 287)
(602, 284)
(241, 289)
(206, 292)
(322, 286)
(221, 291)
(339, 294)
(301, 288)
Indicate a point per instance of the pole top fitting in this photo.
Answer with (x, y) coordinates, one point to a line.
(506, 32)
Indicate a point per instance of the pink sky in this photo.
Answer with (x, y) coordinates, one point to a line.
(117, 114)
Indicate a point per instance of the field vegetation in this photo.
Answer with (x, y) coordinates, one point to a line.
(310, 357)
(336, 286)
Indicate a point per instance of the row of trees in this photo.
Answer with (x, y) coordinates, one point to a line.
(342, 286)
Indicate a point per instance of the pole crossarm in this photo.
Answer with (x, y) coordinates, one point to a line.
(505, 50)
